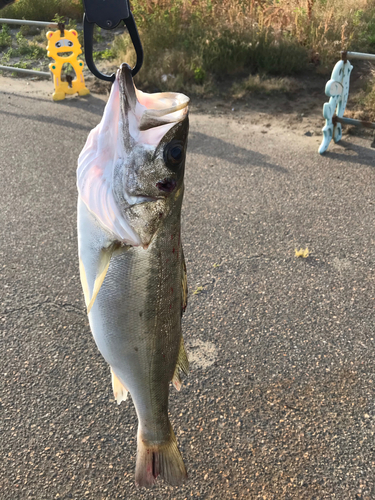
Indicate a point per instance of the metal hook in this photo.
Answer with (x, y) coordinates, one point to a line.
(108, 16)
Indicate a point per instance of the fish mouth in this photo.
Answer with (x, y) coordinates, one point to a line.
(167, 185)
(148, 117)
(147, 199)
(138, 199)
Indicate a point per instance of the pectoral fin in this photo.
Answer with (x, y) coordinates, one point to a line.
(102, 268)
(105, 258)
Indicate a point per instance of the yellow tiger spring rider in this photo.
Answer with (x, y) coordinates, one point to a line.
(61, 42)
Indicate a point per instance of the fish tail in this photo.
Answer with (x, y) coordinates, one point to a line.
(162, 459)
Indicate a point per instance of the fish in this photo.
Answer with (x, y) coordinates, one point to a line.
(130, 181)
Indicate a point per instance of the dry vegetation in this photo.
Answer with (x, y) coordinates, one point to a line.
(43, 10)
(190, 43)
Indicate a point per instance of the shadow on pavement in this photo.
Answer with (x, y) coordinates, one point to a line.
(217, 148)
(364, 156)
(49, 119)
(96, 104)
(23, 96)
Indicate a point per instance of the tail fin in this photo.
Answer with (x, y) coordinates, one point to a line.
(162, 459)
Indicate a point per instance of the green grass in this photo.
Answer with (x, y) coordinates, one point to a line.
(18, 46)
(5, 57)
(5, 38)
(106, 54)
(29, 49)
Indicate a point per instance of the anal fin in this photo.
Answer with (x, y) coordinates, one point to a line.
(181, 365)
(120, 392)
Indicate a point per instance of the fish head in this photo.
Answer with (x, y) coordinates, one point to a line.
(149, 173)
(152, 181)
(144, 140)
(154, 141)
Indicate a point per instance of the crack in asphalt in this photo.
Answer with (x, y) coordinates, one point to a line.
(35, 307)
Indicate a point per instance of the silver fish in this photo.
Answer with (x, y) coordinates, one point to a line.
(130, 180)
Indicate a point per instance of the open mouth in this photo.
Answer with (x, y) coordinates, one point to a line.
(151, 115)
(65, 54)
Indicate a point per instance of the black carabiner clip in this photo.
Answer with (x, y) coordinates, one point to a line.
(108, 15)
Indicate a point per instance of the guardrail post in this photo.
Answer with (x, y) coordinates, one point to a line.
(337, 89)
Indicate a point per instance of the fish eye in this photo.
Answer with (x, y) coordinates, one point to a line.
(174, 154)
(58, 44)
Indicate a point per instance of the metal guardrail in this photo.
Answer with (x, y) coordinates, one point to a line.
(359, 55)
(26, 71)
(40, 24)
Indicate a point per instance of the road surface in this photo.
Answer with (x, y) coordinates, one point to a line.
(279, 402)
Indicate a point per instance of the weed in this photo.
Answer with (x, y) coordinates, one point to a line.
(37, 51)
(263, 84)
(188, 47)
(364, 101)
(5, 38)
(5, 58)
(98, 37)
(189, 44)
(59, 19)
(22, 65)
(23, 45)
(106, 54)
(29, 49)
(199, 75)
(28, 30)
(44, 10)
(67, 69)
(41, 37)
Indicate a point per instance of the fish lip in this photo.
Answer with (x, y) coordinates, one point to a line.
(149, 199)
(125, 80)
(142, 198)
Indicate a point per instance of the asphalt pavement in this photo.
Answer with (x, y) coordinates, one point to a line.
(279, 401)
